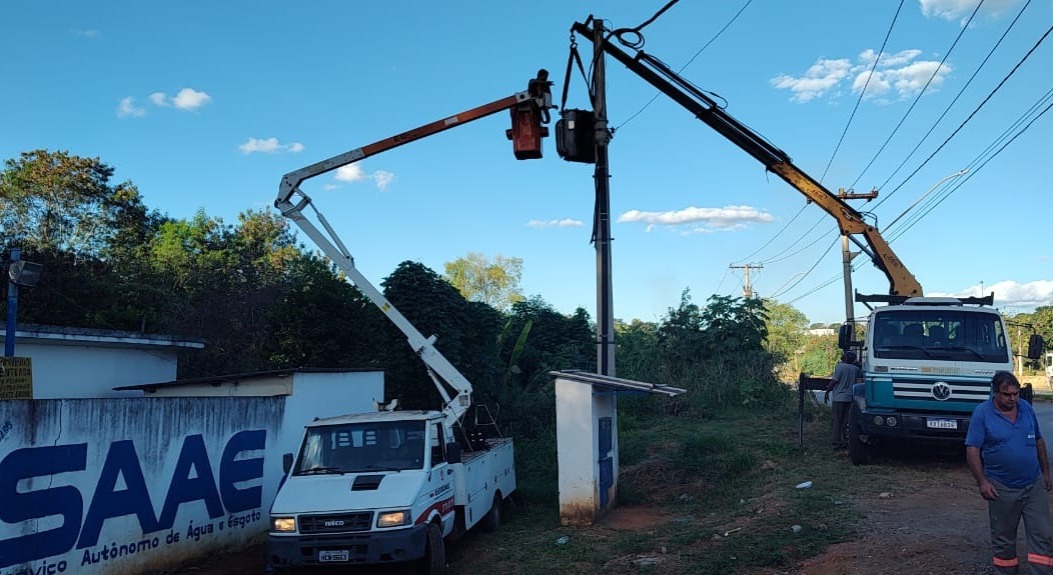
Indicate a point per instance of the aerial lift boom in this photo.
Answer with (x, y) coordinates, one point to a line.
(529, 110)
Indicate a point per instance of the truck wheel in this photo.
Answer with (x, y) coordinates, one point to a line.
(1027, 393)
(492, 520)
(434, 561)
(858, 450)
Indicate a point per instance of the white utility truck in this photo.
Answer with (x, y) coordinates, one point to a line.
(392, 486)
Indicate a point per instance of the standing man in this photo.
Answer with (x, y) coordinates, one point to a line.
(845, 374)
(1007, 456)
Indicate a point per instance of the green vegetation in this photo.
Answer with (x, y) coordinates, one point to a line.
(713, 495)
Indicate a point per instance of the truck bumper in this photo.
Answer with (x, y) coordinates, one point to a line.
(362, 548)
(926, 426)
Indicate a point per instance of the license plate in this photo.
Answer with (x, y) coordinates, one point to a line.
(341, 556)
(942, 423)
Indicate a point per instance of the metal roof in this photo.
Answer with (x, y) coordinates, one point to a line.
(219, 380)
(617, 383)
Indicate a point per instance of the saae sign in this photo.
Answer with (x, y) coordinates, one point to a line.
(192, 480)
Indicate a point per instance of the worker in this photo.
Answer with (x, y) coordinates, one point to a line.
(1007, 456)
(845, 374)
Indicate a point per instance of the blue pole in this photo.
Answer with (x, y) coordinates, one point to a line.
(12, 308)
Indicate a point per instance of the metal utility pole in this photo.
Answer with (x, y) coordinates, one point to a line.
(846, 261)
(12, 309)
(602, 217)
(747, 291)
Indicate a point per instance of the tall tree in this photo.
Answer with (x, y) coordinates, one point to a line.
(55, 201)
(493, 282)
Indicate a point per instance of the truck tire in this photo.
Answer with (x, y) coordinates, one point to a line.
(858, 450)
(434, 560)
(492, 520)
(1027, 393)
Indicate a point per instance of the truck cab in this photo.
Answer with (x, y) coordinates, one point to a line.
(384, 487)
(926, 363)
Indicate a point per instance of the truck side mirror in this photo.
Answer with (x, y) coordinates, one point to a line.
(453, 452)
(844, 336)
(287, 460)
(1035, 346)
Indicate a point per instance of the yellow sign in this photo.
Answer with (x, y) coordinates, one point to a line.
(16, 378)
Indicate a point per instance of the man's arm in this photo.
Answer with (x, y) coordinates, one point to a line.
(1040, 446)
(987, 490)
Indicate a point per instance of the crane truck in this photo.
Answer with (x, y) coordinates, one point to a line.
(393, 485)
(926, 362)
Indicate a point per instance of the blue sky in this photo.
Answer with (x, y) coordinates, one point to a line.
(205, 105)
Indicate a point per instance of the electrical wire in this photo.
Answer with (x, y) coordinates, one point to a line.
(689, 61)
(921, 93)
(863, 91)
(979, 107)
(948, 108)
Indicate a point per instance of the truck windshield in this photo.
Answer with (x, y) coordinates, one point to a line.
(359, 447)
(952, 335)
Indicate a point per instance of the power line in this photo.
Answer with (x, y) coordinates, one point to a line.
(919, 95)
(947, 109)
(863, 91)
(686, 64)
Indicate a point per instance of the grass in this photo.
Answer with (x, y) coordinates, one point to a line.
(723, 493)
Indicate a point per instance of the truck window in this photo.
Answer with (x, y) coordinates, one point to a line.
(438, 446)
(939, 334)
(358, 447)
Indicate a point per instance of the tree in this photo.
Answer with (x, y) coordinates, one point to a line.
(55, 201)
(786, 327)
(495, 283)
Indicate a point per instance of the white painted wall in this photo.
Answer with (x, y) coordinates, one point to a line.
(68, 465)
(578, 411)
(82, 371)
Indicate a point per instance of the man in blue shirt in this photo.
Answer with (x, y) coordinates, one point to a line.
(1007, 457)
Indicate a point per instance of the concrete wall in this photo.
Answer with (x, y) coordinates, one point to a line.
(108, 486)
(579, 408)
(70, 371)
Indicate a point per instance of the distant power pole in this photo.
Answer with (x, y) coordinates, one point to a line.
(747, 291)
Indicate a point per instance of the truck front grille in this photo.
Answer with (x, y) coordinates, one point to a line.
(337, 523)
(939, 391)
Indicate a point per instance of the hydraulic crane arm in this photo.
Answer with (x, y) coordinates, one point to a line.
(529, 110)
(850, 222)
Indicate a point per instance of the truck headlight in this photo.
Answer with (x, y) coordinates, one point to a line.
(393, 519)
(283, 524)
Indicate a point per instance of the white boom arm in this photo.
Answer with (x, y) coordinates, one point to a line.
(529, 107)
(439, 368)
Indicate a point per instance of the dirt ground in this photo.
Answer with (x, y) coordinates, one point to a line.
(936, 525)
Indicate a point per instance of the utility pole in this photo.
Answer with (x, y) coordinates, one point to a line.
(747, 291)
(601, 231)
(847, 256)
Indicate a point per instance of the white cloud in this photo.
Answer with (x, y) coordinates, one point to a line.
(128, 109)
(382, 179)
(900, 73)
(268, 146)
(350, 173)
(354, 173)
(952, 10)
(560, 223)
(89, 34)
(700, 219)
(1010, 294)
(820, 78)
(190, 99)
(185, 99)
